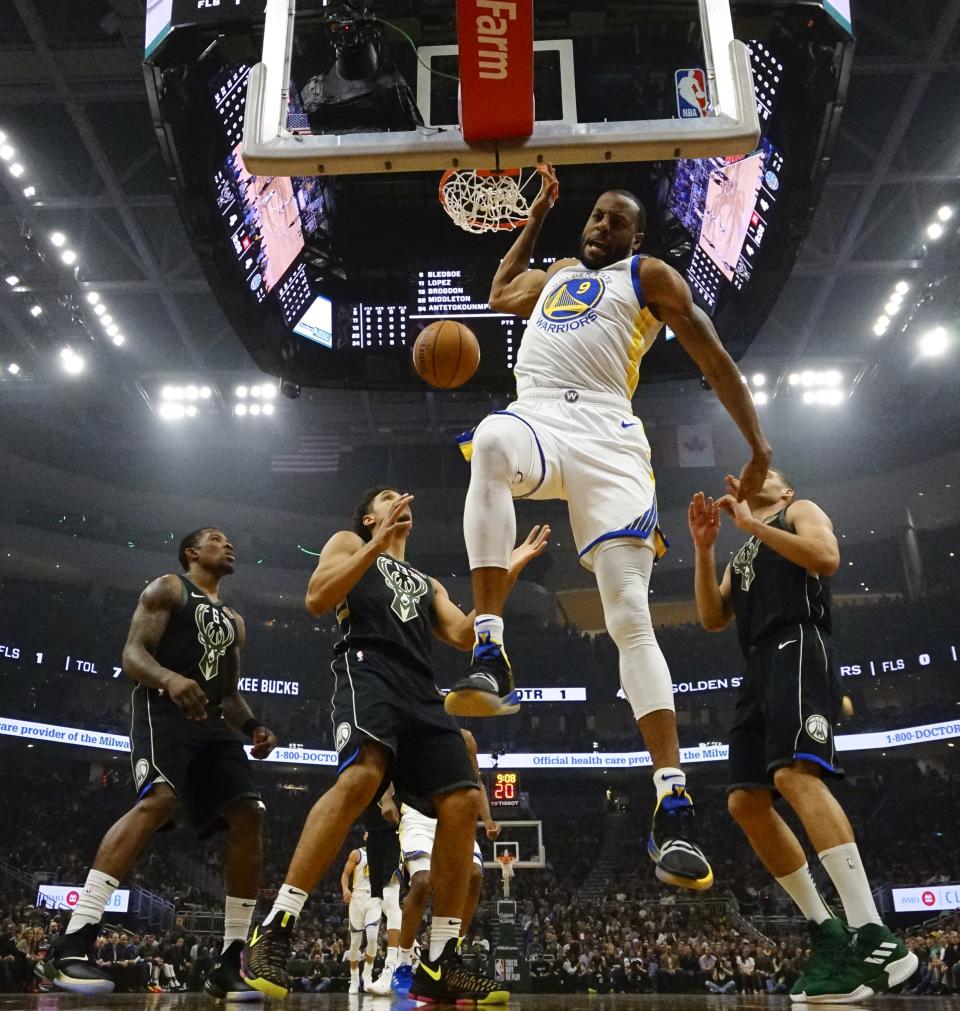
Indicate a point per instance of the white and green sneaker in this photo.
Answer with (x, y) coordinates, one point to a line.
(884, 956)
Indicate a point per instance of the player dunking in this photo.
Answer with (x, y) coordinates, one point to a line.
(183, 650)
(571, 435)
(777, 588)
(389, 724)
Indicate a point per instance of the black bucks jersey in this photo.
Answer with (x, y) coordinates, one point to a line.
(197, 641)
(771, 592)
(388, 612)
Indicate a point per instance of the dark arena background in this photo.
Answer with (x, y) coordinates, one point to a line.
(185, 344)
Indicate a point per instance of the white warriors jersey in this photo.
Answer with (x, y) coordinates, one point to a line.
(361, 875)
(589, 330)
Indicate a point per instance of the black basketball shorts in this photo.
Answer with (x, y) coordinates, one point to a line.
(203, 762)
(376, 699)
(786, 708)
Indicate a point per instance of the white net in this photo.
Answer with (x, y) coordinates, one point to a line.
(481, 201)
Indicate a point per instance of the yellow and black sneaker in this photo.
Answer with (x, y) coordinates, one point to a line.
(673, 845)
(487, 687)
(267, 954)
(446, 981)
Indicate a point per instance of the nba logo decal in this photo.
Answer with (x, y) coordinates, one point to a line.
(692, 101)
(572, 299)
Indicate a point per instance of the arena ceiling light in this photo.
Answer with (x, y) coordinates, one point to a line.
(934, 230)
(761, 398)
(901, 287)
(759, 379)
(14, 369)
(16, 170)
(12, 280)
(92, 297)
(934, 343)
(828, 397)
(58, 239)
(945, 213)
(36, 310)
(6, 152)
(72, 363)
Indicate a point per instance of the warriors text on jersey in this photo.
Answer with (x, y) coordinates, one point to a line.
(388, 612)
(770, 592)
(589, 330)
(197, 641)
(361, 874)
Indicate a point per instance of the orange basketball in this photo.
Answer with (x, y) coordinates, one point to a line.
(446, 354)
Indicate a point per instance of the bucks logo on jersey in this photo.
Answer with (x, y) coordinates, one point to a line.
(215, 634)
(408, 587)
(743, 563)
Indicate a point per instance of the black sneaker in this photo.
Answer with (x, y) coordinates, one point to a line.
(487, 688)
(73, 963)
(224, 981)
(267, 954)
(446, 981)
(672, 844)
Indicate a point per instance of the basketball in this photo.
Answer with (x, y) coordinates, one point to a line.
(446, 354)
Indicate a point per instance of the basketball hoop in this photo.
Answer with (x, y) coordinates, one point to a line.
(484, 200)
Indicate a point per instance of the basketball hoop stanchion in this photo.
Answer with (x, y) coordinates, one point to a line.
(506, 871)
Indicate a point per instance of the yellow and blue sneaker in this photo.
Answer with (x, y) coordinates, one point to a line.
(487, 688)
(672, 844)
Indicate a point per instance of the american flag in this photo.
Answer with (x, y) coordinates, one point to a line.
(315, 454)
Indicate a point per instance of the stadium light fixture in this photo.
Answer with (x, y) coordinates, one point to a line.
(172, 411)
(106, 320)
(761, 398)
(945, 213)
(113, 330)
(934, 230)
(241, 393)
(16, 170)
(268, 391)
(69, 257)
(92, 297)
(239, 410)
(72, 363)
(191, 410)
(254, 409)
(57, 239)
(119, 340)
(901, 287)
(268, 409)
(36, 310)
(934, 343)
(12, 280)
(759, 379)
(100, 308)
(14, 369)
(794, 379)
(205, 392)
(29, 192)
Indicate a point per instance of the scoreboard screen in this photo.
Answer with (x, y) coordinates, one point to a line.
(505, 788)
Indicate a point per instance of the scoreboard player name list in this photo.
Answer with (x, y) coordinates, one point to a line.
(444, 293)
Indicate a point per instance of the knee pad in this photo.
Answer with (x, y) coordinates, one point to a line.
(356, 936)
(391, 905)
(623, 578)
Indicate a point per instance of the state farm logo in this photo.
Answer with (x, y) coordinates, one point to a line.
(72, 898)
(492, 42)
(928, 899)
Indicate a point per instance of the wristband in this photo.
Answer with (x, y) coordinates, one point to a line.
(250, 725)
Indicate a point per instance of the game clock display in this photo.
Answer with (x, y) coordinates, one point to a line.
(505, 789)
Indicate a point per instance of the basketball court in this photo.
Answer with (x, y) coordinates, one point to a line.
(527, 1002)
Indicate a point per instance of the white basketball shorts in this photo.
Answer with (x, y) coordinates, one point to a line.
(364, 909)
(417, 833)
(590, 451)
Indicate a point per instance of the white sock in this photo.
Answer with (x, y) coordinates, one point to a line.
(845, 868)
(236, 919)
(491, 624)
(391, 956)
(93, 900)
(354, 971)
(665, 779)
(288, 900)
(442, 929)
(368, 969)
(801, 887)
(405, 956)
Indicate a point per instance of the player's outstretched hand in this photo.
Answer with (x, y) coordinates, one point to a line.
(188, 697)
(388, 810)
(398, 520)
(264, 741)
(703, 516)
(751, 478)
(535, 544)
(739, 512)
(492, 828)
(549, 191)
(347, 896)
